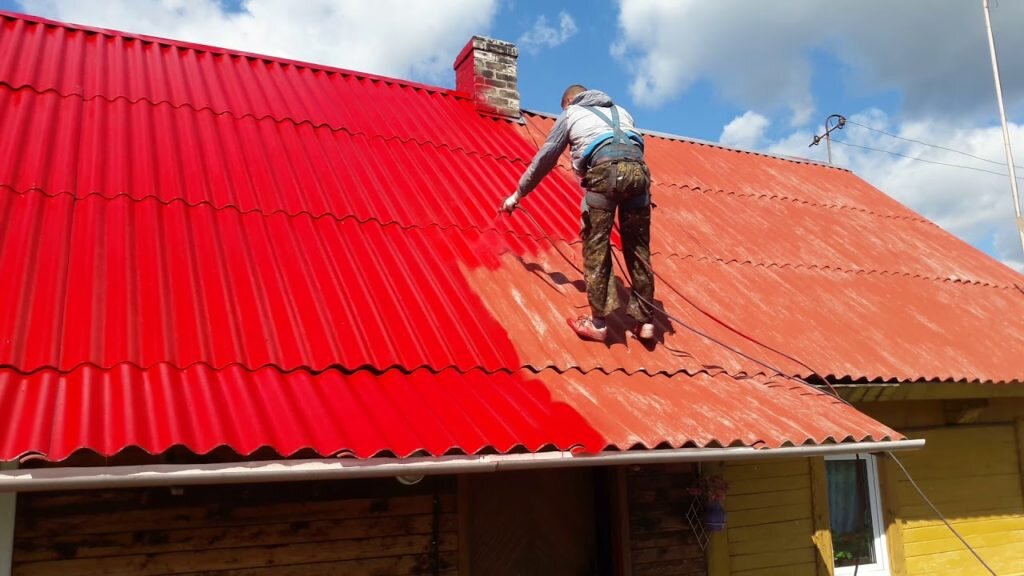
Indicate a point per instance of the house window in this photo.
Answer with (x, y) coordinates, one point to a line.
(855, 508)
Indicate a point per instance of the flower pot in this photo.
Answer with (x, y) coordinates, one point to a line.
(714, 516)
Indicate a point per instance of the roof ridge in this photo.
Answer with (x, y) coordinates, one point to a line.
(701, 142)
(195, 46)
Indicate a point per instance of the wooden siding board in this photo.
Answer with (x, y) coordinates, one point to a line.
(770, 518)
(661, 541)
(755, 533)
(822, 521)
(257, 530)
(99, 520)
(805, 569)
(760, 486)
(764, 560)
(1018, 425)
(888, 483)
(364, 567)
(523, 520)
(163, 541)
(235, 558)
(971, 473)
(979, 541)
(465, 523)
(719, 546)
(970, 528)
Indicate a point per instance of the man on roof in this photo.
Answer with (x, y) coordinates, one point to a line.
(608, 157)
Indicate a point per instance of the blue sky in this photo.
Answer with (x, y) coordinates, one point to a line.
(754, 75)
(586, 58)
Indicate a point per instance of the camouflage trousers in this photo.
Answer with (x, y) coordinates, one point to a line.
(627, 191)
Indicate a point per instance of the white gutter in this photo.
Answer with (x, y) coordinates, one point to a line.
(69, 478)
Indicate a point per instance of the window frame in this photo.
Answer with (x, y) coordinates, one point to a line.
(880, 567)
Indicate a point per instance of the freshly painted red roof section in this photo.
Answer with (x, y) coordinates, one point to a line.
(366, 414)
(206, 249)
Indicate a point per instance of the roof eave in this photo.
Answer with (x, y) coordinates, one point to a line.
(84, 478)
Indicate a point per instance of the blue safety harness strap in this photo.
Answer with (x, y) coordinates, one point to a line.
(620, 147)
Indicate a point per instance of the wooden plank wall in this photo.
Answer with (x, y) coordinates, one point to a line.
(967, 470)
(972, 475)
(288, 529)
(530, 522)
(660, 539)
(770, 518)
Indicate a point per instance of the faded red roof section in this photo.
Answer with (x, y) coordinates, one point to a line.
(206, 248)
(814, 261)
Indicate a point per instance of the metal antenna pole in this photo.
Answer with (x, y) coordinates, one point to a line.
(1002, 117)
(828, 141)
(840, 121)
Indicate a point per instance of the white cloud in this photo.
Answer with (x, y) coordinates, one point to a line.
(975, 206)
(758, 55)
(543, 35)
(744, 131)
(389, 37)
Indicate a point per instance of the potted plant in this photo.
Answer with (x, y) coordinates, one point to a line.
(711, 490)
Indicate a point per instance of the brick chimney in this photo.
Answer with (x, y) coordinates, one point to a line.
(486, 70)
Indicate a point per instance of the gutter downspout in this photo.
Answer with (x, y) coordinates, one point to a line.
(85, 478)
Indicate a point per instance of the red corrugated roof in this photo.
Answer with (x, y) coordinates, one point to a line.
(212, 249)
(365, 413)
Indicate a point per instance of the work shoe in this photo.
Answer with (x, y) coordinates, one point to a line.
(645, 331)
(584, 328)
(642, 331)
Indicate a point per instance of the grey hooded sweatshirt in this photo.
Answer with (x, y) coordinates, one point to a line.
(580, 129)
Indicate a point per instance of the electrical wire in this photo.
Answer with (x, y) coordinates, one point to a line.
(905, 139)
(777, 371)
(894, 153)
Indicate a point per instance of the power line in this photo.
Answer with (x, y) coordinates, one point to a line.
(905, 139)
(975, 168)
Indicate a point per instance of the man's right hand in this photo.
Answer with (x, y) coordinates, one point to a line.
(510, 203)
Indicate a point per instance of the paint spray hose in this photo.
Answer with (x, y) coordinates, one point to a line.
(762, 363)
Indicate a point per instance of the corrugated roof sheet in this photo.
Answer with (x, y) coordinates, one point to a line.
(211, 249)
(364, 413)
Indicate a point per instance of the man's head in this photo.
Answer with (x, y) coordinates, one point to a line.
(570, 93)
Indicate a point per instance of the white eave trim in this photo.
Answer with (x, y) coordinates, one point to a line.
(82, 478)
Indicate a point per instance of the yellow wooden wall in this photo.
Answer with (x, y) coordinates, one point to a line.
(972, 474)
(770, 520)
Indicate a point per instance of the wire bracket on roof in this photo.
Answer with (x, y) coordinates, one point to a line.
(833, 122)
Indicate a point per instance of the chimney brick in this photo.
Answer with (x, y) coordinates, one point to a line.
(486, 70)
